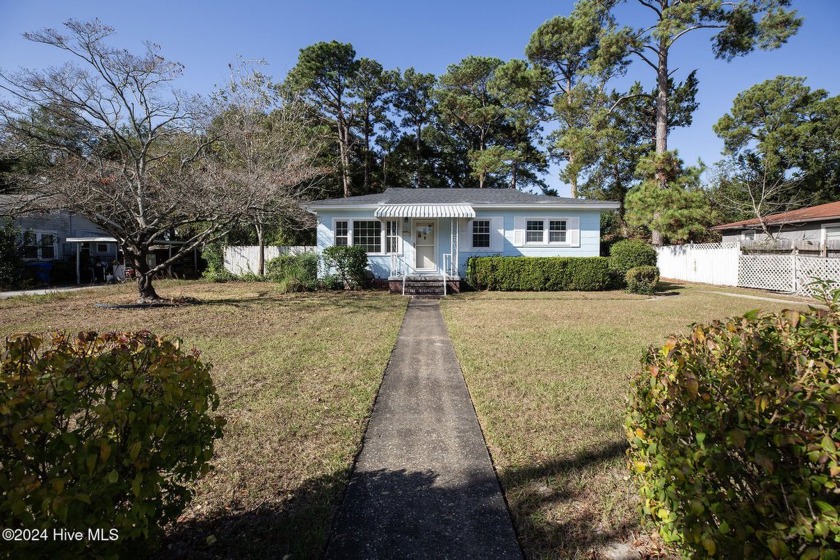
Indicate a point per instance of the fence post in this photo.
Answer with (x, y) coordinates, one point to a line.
(793, 272)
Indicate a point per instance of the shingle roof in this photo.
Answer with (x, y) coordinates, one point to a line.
(501, 197)
(817, 213)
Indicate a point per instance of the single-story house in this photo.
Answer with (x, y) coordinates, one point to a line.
(63, 246)
(814, 228)
(430, 233)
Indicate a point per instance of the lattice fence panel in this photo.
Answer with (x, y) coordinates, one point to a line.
(809, 269)
(768, 272)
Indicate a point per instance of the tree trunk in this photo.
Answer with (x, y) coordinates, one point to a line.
(145, 290)
(344, 148)
(513, 173)
(367, 155)
(661, 123)
(573, 179)
(261, 242)
(417, 155)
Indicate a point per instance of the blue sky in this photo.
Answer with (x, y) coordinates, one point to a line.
(205, 36)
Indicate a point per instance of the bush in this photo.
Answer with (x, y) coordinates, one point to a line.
(101, 431)
(294, 273)
(630, 253)
(11, 255)
(734, 438)
(538, 273)
(349, 263)
(642, 280)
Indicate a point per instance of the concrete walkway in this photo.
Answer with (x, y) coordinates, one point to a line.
(44, 291)
(423, 485)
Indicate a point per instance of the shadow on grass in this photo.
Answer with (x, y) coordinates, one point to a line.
(531, 489)
(666, 288)
(296, 526)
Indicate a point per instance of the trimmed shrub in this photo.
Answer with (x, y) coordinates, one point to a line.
(642, 280)
(538, 273)
(101, 431)
(734, 439)
(294, 273)
(630, 253)
(350, 264)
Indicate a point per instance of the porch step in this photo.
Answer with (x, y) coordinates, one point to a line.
(424, 287)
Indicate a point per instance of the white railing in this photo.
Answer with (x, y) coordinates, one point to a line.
(444, 268)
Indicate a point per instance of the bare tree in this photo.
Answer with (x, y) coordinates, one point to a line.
(750, 189)
(268, 149)
(119, 145)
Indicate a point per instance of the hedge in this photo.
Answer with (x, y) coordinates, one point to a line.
(101, 432)
(734, 433)
(538, 273)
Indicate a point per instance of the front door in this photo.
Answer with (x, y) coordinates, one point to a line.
(424, 245)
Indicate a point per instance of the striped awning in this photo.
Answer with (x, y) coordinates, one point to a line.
(425, 211)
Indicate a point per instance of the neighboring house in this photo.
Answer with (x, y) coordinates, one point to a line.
(45, 234)
(432, 232)
(59, 236)
(815, 228)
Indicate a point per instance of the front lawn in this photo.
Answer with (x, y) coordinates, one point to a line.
(548, 374)
(297, 376)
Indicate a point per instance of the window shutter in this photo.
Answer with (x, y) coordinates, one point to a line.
(465, 235)
(573, 225)
(519, 231)
(497, 234)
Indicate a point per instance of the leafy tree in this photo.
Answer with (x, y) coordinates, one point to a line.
(136, 166)
(468, 105)
(521, 90)
(680, 211)
(372, 86)
(323, 76)
(781, 137)
(414, 101)
(738, 28)
(579, 54)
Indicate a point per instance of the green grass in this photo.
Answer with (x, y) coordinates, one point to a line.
(548, 374)
(297, 376)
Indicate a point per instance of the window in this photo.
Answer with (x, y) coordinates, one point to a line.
(481, 233)
(392, 237)
(101, 248)
(534, 231)
(546, 231)
(557, 231)
(47, 246)
(748, 234)
(368, 234)
(341, 234)
(373, 235)
(39, 245)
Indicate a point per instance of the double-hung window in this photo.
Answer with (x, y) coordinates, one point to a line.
(545, 231)
(372, 235)
(534, 231)
(557, 231)
(39, 245)
(481, 233)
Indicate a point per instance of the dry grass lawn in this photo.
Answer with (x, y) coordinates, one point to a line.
(548, 374)
(297, 376)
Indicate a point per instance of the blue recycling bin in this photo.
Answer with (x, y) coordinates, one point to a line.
(42, 271)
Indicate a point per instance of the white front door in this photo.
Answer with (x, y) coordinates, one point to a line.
(424, 245)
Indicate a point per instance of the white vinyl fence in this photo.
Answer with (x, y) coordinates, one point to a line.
(723, 264)
(245, 259)
(710, 263)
